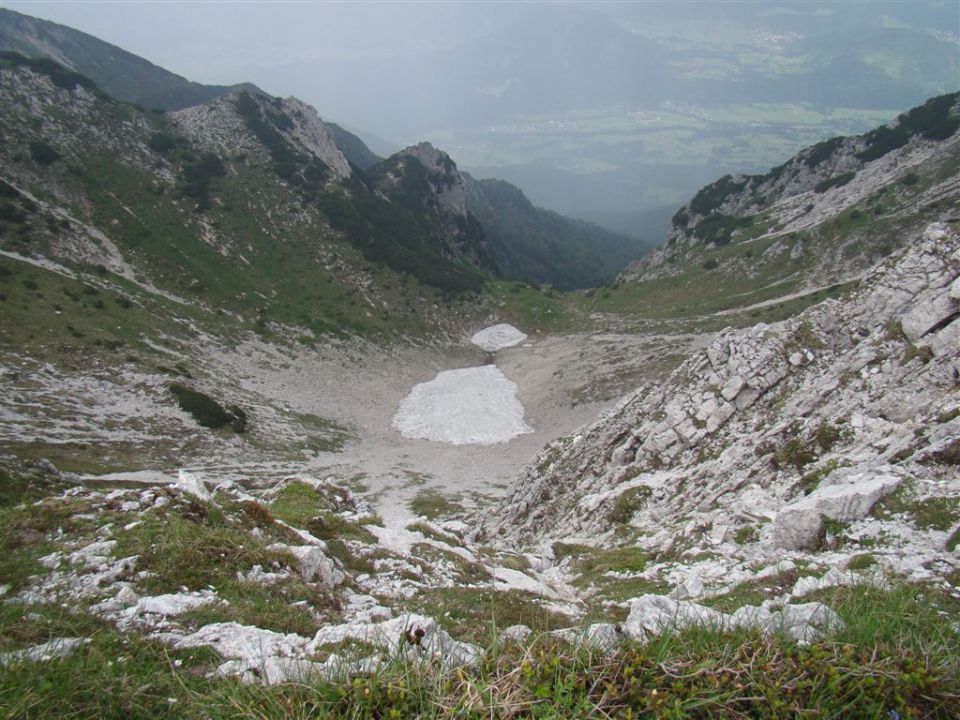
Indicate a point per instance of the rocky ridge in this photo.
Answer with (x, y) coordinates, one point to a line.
(815, 186)
(778, 443)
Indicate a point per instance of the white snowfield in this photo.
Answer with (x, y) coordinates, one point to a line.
(472, 406)
(498, 337)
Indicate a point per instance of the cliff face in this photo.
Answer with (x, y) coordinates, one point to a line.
(426, 181)
(778, 434)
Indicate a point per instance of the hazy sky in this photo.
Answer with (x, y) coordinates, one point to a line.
(224, 42)
(227, 42)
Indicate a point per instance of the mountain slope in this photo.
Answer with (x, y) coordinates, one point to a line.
(243, 204)
(117, 72)
(353, 148)
(746, 244)
(540, 246)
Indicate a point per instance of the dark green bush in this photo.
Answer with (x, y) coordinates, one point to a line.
(197, 175)
(822, 150)
(161, 143)
(11, 213)
(837, 181)
(43, 153)
(910, 179)
(7, 190)
(719, 228)
(207, 411)
(712, 196)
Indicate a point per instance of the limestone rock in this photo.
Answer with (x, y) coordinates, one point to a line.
(243, 642)
(805, 623)
(192, 484)
(653, 614)
(926, 315)
(56, 648)
(516, 634)
(172, 604)
(408, 635)
(316, 565)
(798, 525)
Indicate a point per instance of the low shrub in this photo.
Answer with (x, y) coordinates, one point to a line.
(207, 411)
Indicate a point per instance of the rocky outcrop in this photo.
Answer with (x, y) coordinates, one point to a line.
(652, 615)
(815, 187)
(815, 418)
(445, 180)
(842, 496)
(219, 126)
(425, 180)
(310, 132)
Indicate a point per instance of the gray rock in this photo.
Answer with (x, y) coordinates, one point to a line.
(408, 635)
(56, 648)
(851, 496)
(172, 604)
(243, 642)
(926, 315)
(315, 565)
(651, 615)
(515, 634)
(805, 623)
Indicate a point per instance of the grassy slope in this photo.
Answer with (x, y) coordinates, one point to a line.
(897, 650)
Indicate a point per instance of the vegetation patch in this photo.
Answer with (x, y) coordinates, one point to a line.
(43, 153)
(629, 502)
(598, 562)
(434, 505)
(207, 411)
(719, 228)
(712, 196)
(194, 546)
(477, 614)
(746, 533)
(811, 481)
(834, 182)
(794, 453)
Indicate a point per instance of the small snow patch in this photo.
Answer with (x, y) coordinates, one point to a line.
(498, 337)
(471, 406)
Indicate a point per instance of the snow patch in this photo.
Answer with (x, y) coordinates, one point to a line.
(471, 406)
(498, 337)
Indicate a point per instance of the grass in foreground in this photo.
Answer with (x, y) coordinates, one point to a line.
(693, 675)
(897, 658)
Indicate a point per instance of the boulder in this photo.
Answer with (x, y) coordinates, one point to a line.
(191, 484)
(849, 497)
(172, 604)
(650, 615)
(56, 648)
(805, 623)
(315, 565)
(233, 641)
(926, 315)
(409, 636)
(515, 634)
